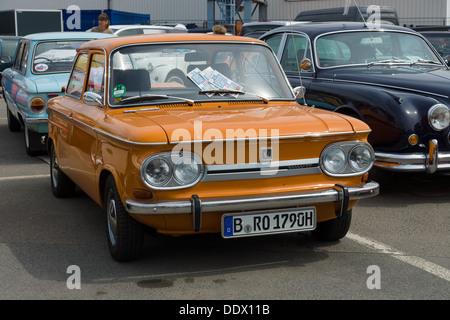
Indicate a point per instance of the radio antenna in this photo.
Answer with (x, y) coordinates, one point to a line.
(347, 6)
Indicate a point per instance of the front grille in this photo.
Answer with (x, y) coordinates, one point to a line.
(274, 169)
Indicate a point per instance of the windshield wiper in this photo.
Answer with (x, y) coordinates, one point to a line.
(155, 97)
(387, 61)
(233, 91)
(426, 62)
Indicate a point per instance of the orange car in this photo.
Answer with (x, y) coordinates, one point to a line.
(198, 133)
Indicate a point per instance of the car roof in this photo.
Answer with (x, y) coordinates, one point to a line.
(10, 37)
(67, 35)
(145, 26)
(255, 23)
(314, 29)
(111, 43)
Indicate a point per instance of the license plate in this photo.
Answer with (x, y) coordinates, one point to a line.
(268, 222)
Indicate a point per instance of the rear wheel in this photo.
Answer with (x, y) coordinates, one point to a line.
(33, 144)
(13, 124)
(125, 235)
(334, 229)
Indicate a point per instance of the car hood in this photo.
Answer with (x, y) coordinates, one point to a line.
(240, 123)
(428, 80)
(51, 82)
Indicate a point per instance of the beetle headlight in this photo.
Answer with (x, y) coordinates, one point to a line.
(347, 158)
(439, 117)
(168, 170)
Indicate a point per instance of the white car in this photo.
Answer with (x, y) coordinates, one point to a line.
(133, 29)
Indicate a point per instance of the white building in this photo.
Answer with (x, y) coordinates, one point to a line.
(411, 12)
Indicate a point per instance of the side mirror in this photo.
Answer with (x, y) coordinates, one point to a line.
(63, 89)
(300, 92)
(5, 59)
(93, 99)
(447, 59)
(306, 64)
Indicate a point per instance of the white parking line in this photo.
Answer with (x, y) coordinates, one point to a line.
(37, 176)
(412, 260)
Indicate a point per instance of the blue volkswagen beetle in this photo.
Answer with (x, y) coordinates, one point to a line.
(40, 70)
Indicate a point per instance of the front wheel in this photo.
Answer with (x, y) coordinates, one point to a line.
(334, 229)
(125, 235)
(61, 184)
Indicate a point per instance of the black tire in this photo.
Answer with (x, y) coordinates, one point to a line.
(33, 145)
(176, 76)
(61, 184)
(125, 234)
(335, 229)
(13, 124)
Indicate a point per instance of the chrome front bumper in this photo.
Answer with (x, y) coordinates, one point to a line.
(429, 162)
(258, 202)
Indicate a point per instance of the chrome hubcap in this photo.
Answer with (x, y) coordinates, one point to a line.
(112, 221)
(54, 169)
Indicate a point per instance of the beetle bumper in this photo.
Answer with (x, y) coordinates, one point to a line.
(430, 162)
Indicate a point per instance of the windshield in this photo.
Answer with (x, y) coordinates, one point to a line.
(155, 74)
(369, 48)
(55, 56)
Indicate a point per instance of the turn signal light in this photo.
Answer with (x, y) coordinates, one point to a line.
(413, 139)
(142, 194)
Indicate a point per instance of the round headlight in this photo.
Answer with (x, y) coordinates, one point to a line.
(360, 158)
(187, 169)
(157, 171)
(334, 160)
(439, 117)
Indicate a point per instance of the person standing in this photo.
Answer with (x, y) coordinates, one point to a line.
(103, 24)
(218, 29)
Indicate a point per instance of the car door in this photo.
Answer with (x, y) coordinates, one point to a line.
(78, 150)
(15, 84)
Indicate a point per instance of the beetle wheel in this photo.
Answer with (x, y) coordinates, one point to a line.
(334, 229)
(176, 77)
(125, 235)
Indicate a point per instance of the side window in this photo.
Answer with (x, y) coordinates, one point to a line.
(19, 56)
(76, 81)
(128, 32)
(24, 60)
(274, 42)
(96, 74)
(295, 50)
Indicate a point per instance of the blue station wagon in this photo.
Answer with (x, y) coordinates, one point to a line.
(40, 71)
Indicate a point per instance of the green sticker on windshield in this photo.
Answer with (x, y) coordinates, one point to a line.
(119, 91)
